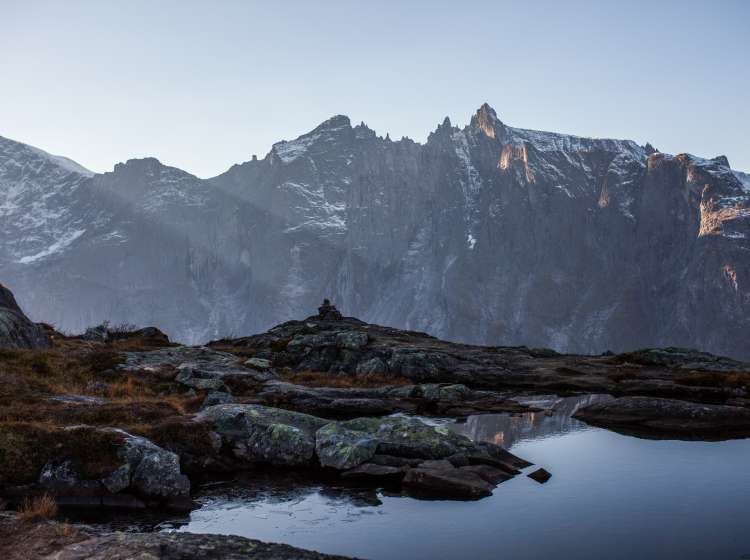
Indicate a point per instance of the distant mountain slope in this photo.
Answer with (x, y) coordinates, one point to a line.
(487, 233)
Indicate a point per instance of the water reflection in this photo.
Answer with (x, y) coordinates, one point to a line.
(507, 430)
(611, 496)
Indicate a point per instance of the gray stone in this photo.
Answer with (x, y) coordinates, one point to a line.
(217, 397)
(258, 363)
(410, 437)
(258, 433)
(373, 366)
(342, 448)
(16, 330)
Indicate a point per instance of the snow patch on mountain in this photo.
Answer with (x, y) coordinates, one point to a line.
(556, 142)
(744, 179)
(57, 247)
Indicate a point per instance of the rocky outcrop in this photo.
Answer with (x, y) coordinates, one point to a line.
(450, 379)
(48, 539)
(488, 234)
(87, 466)
(184, 546)
(668, 418)
(16, 330)
(365, 449)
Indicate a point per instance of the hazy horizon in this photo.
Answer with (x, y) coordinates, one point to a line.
(202, 89)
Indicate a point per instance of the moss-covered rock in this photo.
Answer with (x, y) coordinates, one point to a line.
(257, 433)
(410, 437)
(342, 448)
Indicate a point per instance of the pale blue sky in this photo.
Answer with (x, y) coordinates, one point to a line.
(203, 85)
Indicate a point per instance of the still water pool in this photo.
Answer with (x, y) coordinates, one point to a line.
(610, 496)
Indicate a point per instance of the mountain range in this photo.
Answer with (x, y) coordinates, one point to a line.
(486, 234)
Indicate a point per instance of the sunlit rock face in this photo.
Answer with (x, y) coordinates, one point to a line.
(487, 233)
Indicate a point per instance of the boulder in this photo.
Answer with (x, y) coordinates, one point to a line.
(410, 437)
(258, 433)
(124, 469)
(342, 448)
(16, 330)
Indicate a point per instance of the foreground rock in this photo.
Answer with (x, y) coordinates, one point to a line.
(85, 466)
(183, 546)
(28, 541)
(667, 417)
(363, 449)
(16, 330)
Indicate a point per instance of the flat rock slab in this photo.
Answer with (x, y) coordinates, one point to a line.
(453, 483)
(199, 367)
(667, 417)
(183, 546)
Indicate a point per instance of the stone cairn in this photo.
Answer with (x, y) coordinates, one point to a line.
(328, 311)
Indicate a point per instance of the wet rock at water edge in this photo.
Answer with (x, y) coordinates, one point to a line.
(657, 417)
(540, 475)
(450, 483)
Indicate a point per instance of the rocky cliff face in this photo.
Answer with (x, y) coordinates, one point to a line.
(487, 234)
(16, 331)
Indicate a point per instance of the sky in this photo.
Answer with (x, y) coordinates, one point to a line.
(205, 85)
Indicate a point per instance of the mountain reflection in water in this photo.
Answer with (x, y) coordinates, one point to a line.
(610, 496)
(506, 430)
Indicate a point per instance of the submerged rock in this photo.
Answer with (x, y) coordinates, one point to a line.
(540, 475)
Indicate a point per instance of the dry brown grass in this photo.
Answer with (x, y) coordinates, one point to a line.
(25, 447)
(729, 379)
(38, 508)
(66, 530)
(325, 379)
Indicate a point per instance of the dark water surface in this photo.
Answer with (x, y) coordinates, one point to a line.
(610, 496)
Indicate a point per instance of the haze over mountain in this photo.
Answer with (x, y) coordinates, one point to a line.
(487, 234)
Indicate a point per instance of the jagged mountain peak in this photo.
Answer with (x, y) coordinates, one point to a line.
(485, 119)
(336, 122)
(485, 233)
